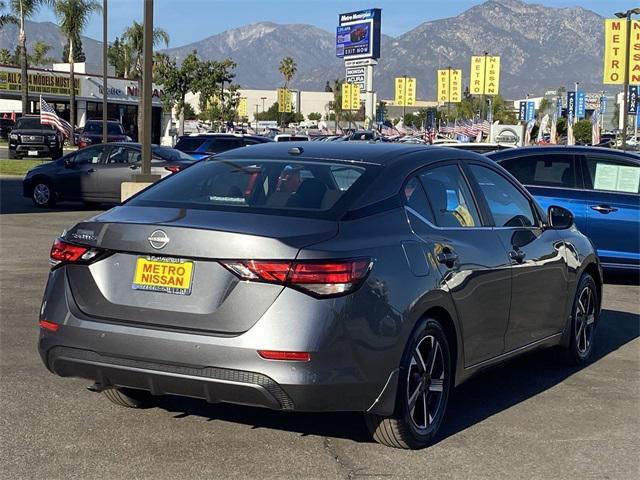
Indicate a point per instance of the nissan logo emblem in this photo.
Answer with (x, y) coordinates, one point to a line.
(158, 239)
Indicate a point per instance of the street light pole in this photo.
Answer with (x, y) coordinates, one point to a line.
(625, 93)
(404, 99)
(105, 63)
(257, 105)
(147, 87)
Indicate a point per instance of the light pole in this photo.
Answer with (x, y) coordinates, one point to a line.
(257, 105)
(625, 117)
(147, 86)
(105, 51)
(263, 99)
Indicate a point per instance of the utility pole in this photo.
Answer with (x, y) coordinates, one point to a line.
(625, 94)
(147, 87)
(257, 105)
(105, 62)
(263, 99)
(484, 85)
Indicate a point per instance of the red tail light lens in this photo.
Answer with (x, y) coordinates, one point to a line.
(62, 251)
(319, 278)
(173, 168)
(52, 327)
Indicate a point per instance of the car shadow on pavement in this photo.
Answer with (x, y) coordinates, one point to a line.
(476, 400)
(12, 201)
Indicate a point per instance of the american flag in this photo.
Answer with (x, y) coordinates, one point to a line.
(48, 116)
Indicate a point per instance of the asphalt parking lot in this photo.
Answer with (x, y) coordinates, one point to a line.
(529, 419)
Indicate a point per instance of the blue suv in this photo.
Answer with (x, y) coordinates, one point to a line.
(203, 145)
(600, 186)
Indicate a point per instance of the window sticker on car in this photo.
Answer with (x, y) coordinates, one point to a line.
(617, 178)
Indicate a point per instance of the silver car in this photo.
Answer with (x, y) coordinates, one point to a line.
(319, 277)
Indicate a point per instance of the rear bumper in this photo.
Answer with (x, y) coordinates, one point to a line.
(43, 150)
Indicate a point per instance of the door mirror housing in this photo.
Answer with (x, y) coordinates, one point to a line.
(560, 218)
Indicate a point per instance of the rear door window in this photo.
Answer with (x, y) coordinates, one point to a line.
(416, 199)
(553, 170)
(611, 174)
(450, 197)
(189, 144)
(91, 155)
(123, 155)
(219, 145)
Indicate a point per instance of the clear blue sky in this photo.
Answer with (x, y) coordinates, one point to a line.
(191, 20)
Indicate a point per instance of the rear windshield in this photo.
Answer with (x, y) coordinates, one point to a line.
(170, 154)
(281, 187)
(189, 144)
(96, 127)
(31, 123)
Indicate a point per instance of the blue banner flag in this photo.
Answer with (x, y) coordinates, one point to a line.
(531, 110)
(571, 106)
(581, 104)
(632, 104)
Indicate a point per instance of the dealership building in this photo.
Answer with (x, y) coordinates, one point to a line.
(54, 86)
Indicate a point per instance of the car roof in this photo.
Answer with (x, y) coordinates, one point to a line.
(575, 149)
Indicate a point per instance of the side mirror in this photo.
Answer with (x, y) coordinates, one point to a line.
(560, 218)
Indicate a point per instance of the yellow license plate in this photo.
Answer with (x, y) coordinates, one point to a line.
(168, 275)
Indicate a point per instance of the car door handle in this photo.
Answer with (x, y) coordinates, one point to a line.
(447, 257)
(603, 209)
(517, 255)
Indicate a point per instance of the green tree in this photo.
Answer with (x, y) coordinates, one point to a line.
(315, 116)
(78, 53)
(216, 104)
(288, 69)
(336, 104)
(73, 16)
(6, 58)
(6, 18)
(189, 112)
(133, 39)
(582, 131)
(22, 10)
(177, 81)
(272, 114)
(39, 56)
(118, 56)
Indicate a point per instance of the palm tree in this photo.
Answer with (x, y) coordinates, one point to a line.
(39, 51)
(73, 16)
(133, 39)
(288, 69)
(24, 9)
(6, 18)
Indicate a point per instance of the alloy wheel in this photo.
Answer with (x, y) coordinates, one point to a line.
(585, 320)
(425, 383)
(41, 194)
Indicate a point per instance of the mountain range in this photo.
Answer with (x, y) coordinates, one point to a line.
(541, 48)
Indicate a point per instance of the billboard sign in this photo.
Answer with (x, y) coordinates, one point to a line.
(358, 34)
(356, 75)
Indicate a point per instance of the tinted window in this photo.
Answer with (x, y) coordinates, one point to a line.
(260, 186)
(123, 155)
(344, 177)
(96, 127)
(220, 145)
(189, 144)
(417, 199)
(508, 206)
(544, 170)
(605, 173)
(31, 123)
(88, 155)
(170, 154)
(450, 197)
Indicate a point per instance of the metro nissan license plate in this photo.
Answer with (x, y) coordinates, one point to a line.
(162, 274)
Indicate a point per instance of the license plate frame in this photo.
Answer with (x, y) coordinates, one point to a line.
(32, 153)
(140, 282)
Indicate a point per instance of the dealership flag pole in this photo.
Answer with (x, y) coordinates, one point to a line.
(105, 50)
(147, 87)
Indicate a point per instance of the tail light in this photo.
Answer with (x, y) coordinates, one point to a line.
(63, 252)
(279, 355)
(173, 168)
(320, 278)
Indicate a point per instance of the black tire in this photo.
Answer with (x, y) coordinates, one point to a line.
(584, 320)
(42, 194)
(401, 430)
(129, 397)
(56, 154)
(12, 154)
(91, 205)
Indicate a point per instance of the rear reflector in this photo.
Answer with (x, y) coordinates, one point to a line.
(291, 356)
(317, 277)
(62, 251)
(53, 327)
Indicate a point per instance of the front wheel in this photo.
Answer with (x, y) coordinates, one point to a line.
(423, 392)
(584, 318)
(43, 195)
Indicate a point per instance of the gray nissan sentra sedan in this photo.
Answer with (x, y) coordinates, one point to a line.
(319, 277)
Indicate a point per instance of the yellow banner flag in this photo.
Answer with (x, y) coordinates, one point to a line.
(449, 85)
(634, 58)
(476, 81)
(615, 51)
(346, 96)
(242, 107)
(455, 82)
(492, 76)
(400, 89)
(284, 101)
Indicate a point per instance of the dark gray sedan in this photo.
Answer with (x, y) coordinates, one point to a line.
(319, 277)
(94, 174)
